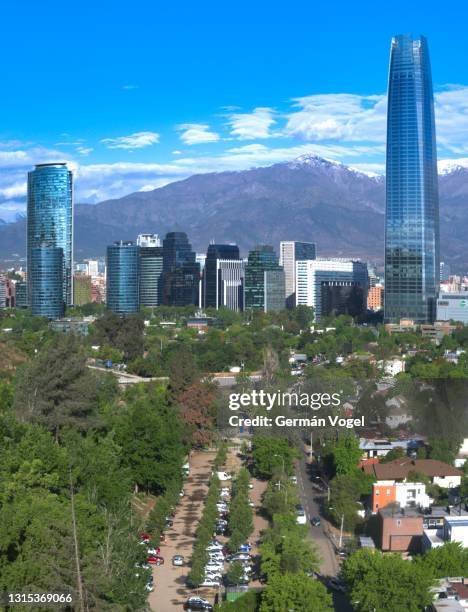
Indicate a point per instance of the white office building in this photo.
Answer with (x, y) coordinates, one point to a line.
(453, 306)
(148, 240)
(290, 252)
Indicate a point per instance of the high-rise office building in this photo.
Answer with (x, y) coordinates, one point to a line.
(21, 290)
(290, 252)
(2, 292)
(50, 219)
(123, 277)
(264, 280)
(180, 279)
(151, 267)
(444, 271)
(412, 202)
(332, 286)
(222, 276)
(82, 289)
(148, 240)
(45, 274)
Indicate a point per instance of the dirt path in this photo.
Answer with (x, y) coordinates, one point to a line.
(170, 591)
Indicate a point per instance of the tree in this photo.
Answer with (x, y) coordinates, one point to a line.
(235, 573)
(124, 333)
(396, 453)
(182, 370)
(346, 454)
(197, 411)
(150, 436)
(56, 389)
(295, 592)
(345, 493)
(451, 559)
(387, 583)
(270, 453)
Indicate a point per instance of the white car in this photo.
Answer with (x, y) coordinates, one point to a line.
(223, 476)
(239, 557)
(214, 551)
(301, 518)
(210, 583)
(214, 565)
(215, 545)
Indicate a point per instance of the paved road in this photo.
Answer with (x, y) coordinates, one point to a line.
(310, 499)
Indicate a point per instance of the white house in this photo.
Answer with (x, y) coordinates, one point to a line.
(455, 529)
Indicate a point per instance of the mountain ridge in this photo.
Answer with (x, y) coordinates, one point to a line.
(310, 198)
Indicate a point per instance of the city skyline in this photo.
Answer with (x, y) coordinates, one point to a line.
(137, 120)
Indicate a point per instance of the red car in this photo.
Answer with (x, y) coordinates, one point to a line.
(155, 560)
(162, 538)
(144, 537)
(153, 550)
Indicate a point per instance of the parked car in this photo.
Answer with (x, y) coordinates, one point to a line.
(144, 538)
(301, 517)
(336, 584)
(153, 551)
(239, 557)
(177, 560)
(197, 603)
(169, 522)
(155, 560)
(215, 545)
(316, 521)
(210, 583)
(223, 476)
(214, 565)
(245, 547)
(251, 504)
(293, 479)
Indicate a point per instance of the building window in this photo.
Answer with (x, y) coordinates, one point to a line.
(388, 491)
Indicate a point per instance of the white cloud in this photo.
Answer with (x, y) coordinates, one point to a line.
(84, 151)
(250, 126)
(138, 140)
(196, 133)
(339, 117)
(14, 190)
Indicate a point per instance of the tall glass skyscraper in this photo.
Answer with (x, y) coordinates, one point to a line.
(180, 280)
(151, 266)
(45, 273)
(264, 280)
(50, 218)
(212, 284)
(123, 277)
(412, 207)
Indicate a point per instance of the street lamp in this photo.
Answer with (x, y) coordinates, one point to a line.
(327, 485)
(282, 460)
(341, 528)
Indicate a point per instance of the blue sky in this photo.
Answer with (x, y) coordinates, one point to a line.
(136, 95)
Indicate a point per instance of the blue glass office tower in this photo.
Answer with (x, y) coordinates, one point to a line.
(412, 207)
(45, 274)
(50, 218)
(264, 287)
(212, 283)
(180, 280)
(123, 278)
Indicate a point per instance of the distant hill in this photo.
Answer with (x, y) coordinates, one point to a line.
(339, 208)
